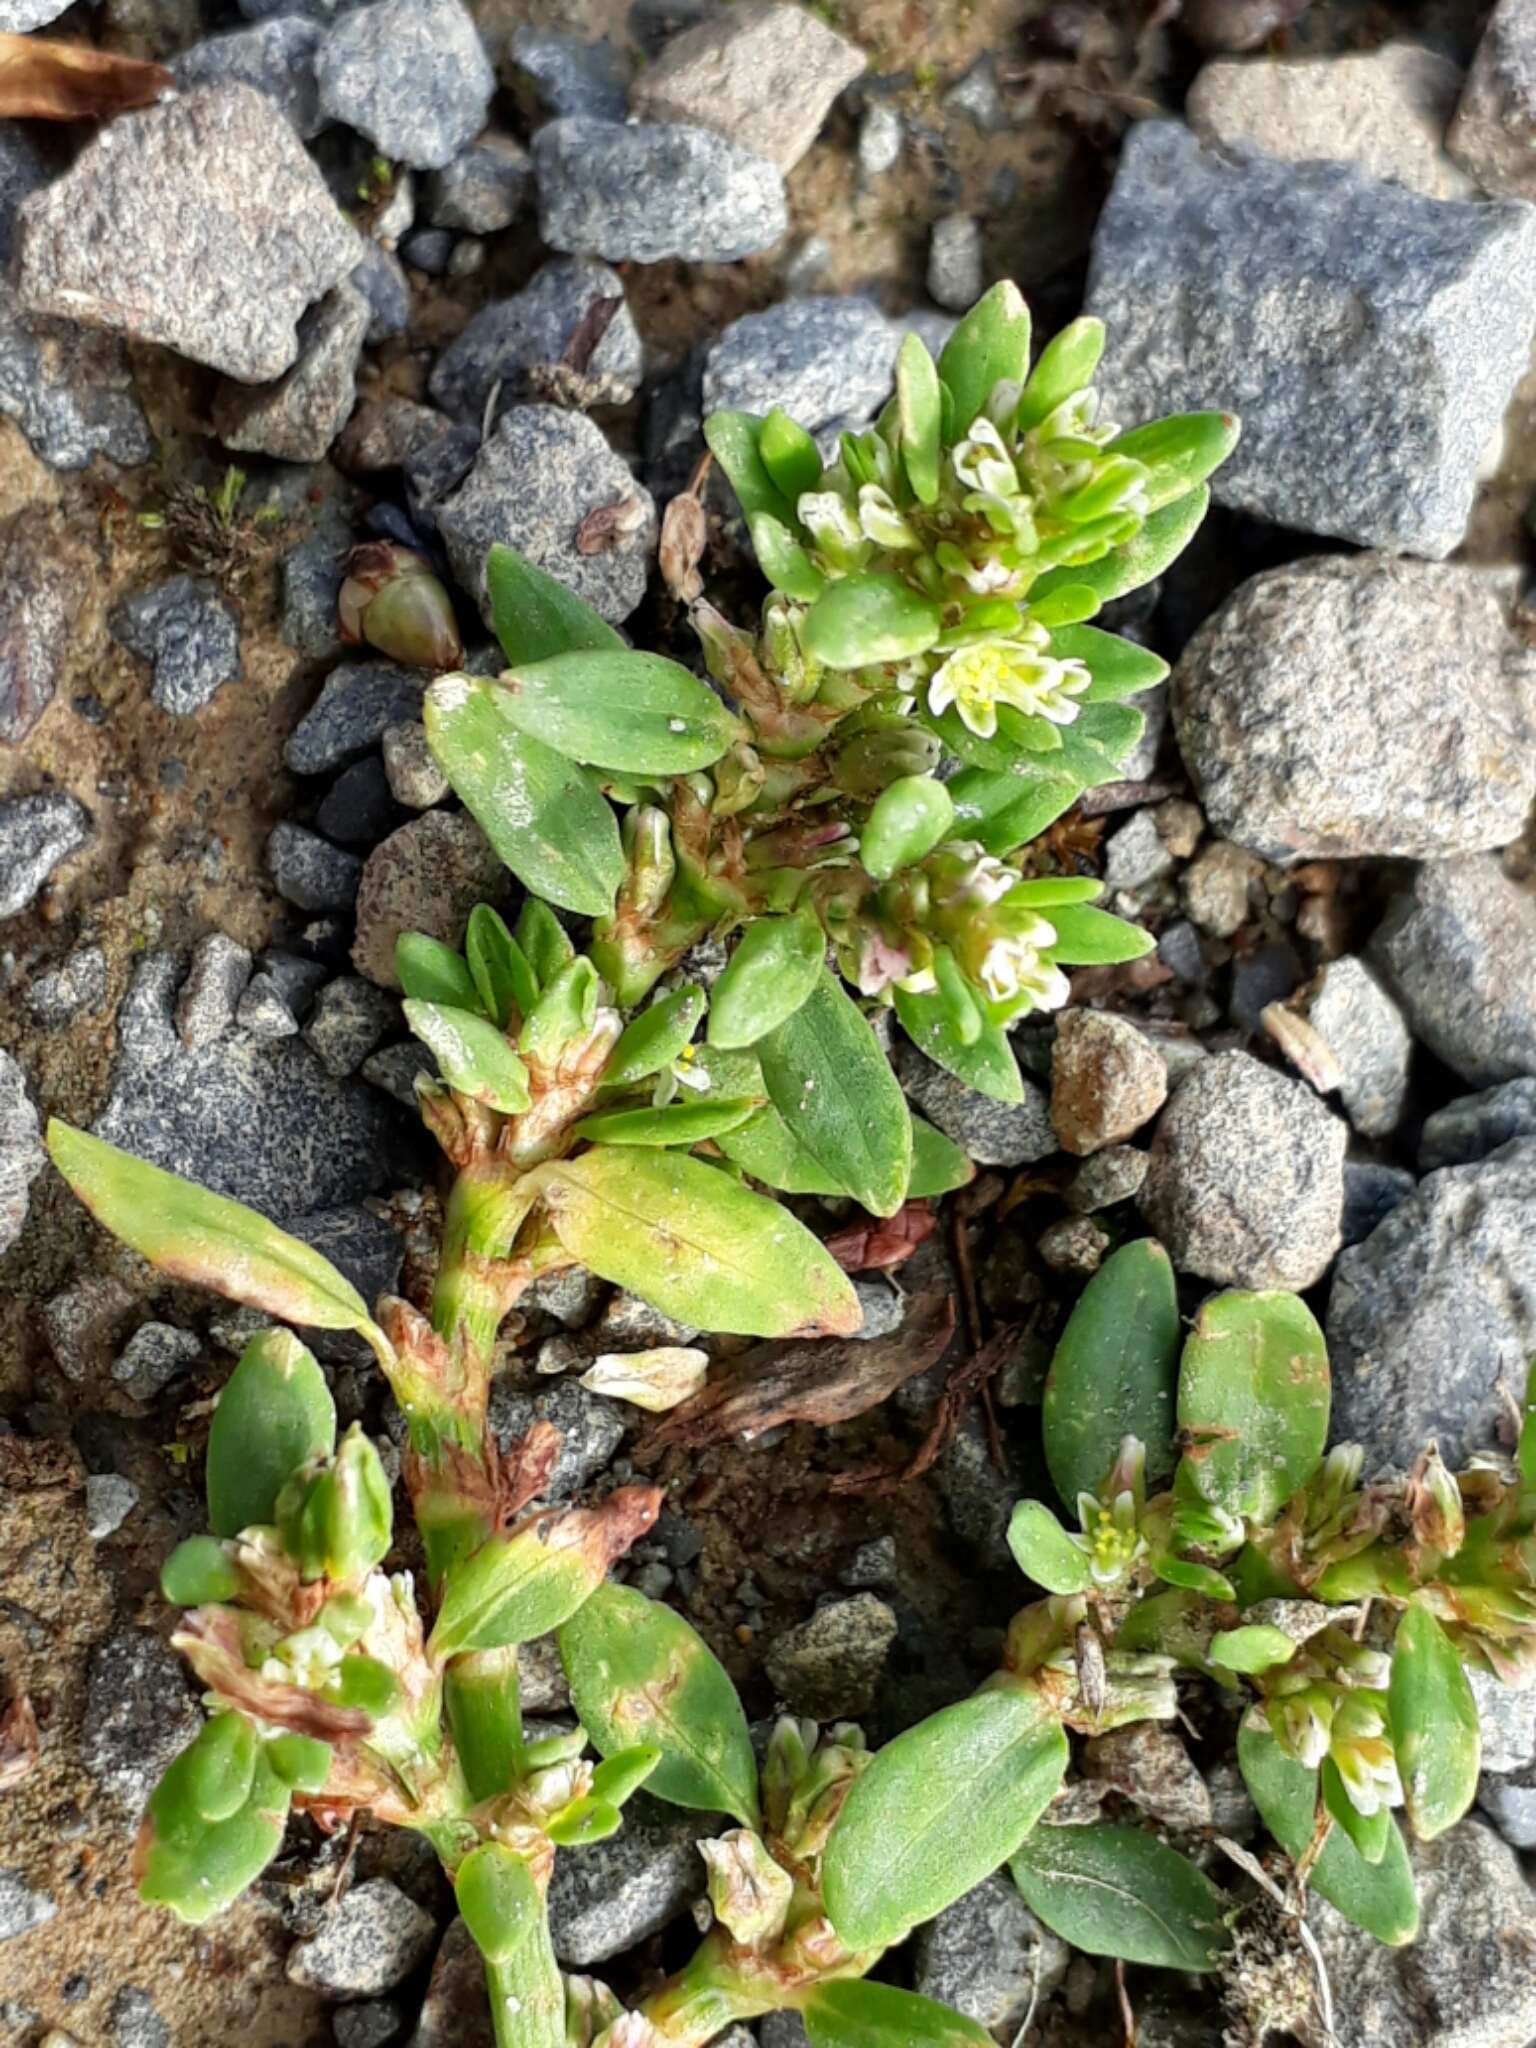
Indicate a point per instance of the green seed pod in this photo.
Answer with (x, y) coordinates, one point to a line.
(337, 1522)
(198, 1572)
(909, 819)
(392, 599)
(775, 966)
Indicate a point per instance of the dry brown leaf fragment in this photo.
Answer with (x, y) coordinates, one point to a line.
(42, 79)
(19, 1743)
(606, 525)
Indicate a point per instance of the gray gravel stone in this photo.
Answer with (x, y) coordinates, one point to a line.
(1216, 887)
(456, 2012)
(884, 1306)
(74, 989)
(311, 578)
(69, 389)
(1474, 1125)
(352, 713)
(1420, 1331)
(1510, 1803)
(263, 1123)
(1429, 743)
(821, 359)
(1106, 1080)
(570, 1295)
(299, 415)
(987, 1956)
(764, 74)
(1149, 1765)
(200, 223)
(139, 1711)
(21, 1908)
(1113, 1175)
(205, 1009)
(411, 75)
(881, 134)
(956, 263)
(23, 169)
(1137, 855)
(1494, 133)
(264, 1009)
(437, 465)
(368, 1250)
(381, 279)
(644, 194)
(1245, 1184)
(43, 564)
(829, 1667)
(571, 76)
(135, 2021)
(529, 333)
(109, 1500)
(308, 871)
(1466, 1981)
(1459, 952)
(22, 1157)
(991, 1133)
(415, 779)
(19, 17)
(538, 480)
(153, 1356)
(1364, 1030)
(483, 189)
(606, 1898)
(349, 1018)
(1369, 339)
(370, 2024)
(1507, 1719)
(427, 877)
(591, 1429)
(358, 808)
(371, 1941)
(37, 833)
(1385, 111)
(1372, 1190)
(188, 634)
(276, 56)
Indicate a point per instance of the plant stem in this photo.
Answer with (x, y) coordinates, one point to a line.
(526, 1992)
(485, 1712)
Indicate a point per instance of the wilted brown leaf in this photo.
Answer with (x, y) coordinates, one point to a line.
(45, 80)
(606, 525)
(880, 1243)
(18, 1742)
(684, 532)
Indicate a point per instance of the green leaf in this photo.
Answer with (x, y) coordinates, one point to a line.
(1379, 1897)
(990, 344)
(653, 1039)
(1114, 1372)
(476, 1060)
(939, 1809)
(908, 819)
(545, 941)
(534, 615)
(1118, 1891)
(765, 1147)
(1119, 667)
(1044, 1552)
(274, 1415)
(734, 439)
(639, 1673)
(1371, 1833)
(850, 2012)
(503, 978)
(1094, 938)
(938, 1164)
(776, 964)
(1251, 1649)
(620, 709)
(828, 1078)
(1005, 811)
(196, 1866)
(544, 815)
(679, 1123)
(1253, 1402)
(919, 417)
(199, 1572)
(519, 1584)
(861, 620)
(1096, 743)
(987, 1065)
(1432, 1713)
(1143, 557)
(1066, 606)
(1180, 451)
(1066, 366)
(695, 1244)
(303, 1762)
(434, 973)
(205, 1239)
(497, 1896)
(790, 456)
(782, 559)
(620, 1776)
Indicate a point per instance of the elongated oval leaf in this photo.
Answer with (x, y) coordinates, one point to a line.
(544, 814)
(1086, 937)
(503, 978)
(205, 1239)
(1254, 1396)
(1379, 1897)
(1120, 668)
(864, 619)
(620, 709)
(782, 559)
(1003, 811)
(1433, 1717)
(1114, 1372)
(765, 1147)
(1164, 537)
(909, 818)
(534, 615)
(990, 344)
(678, 1123)
(1066, 365)
(987, 1064)
(939, 1809)
(1044, 1552)
(920, 415)
(274, 1415)
(776, 964)
(853, 2013)
(497, 1896)
(434, 973)
(1117, 1891)
(790, 456)
(475, 1059)
(696, 1244)
(640, 1674)
(1179, 452)
(828, 1078)
(653, 1039)
(938, 1164)
(733, 438)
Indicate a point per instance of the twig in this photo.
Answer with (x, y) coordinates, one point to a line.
(965, 1380)
(1034, 1998)
(1261, 1877)
(1127, 2011)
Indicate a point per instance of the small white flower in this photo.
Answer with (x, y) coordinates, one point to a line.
(1012, 968)
(882, 521)
(977, 679)
(982, 463)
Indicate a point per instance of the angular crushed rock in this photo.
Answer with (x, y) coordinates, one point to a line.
(645, 193)
(411, 75)
(1458, 951)
(22, 1157)
(483, 189)
(1474, 1125)
(36, 834)
(277, 57)
(200, 223)
(297, 417)
(511, 340)
(823, 360)
(1494, 131)
(370, 1941)
(357, 706)
(43, 561)
(427, 877)
(69, 389)
(992, 1133)
(188, 634)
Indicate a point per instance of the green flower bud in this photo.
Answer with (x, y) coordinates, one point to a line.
(877, 756)
(590, 2007)
(564, 1014)
(336, 1522)
(749, 1891)
(392, 599)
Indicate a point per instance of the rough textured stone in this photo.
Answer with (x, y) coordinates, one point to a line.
(371, 1941)
(1474, 1125)
(1137, 855)
(991, 1133)
(1385, 111)
(829, 1666)
(1372, 1191)
(1510, 1803)
(43, 563)
(277, 57)
(1076, 1244)
(1149, 1765)
(297, 417)
(69, 389)
(21, 1908)
(456, 2012)
(1428, 745)
(823, 360)
(1246, 1179)
(1112, 1175)
(1369, 339)
(604, 1899)
(36, 834)
(381, 279)
(311, 578)
(349, 1018)
(1494, 133)
(591, 1429)
(643, 194)
(264, 1009)
(511, 341)
(764, 74)
(537, 483)
(139, 1711)
(22, 1157)
(23, 168)
(370, 2024)
(572, 76)
(1507, 1720)
(1420, 1332)
(988, 1956)
(308, 871)
(215, 982)
(427, 877)
(1106, 1080)
(415, 779)
(483, 189)
(358, 808)
(411, 75)
(1459, 952)
(153, 1356)
(200, 223)
(352, 713)
(188, 634)
(18, 17)
(1216, 886)
(109, 1500)
(71, 990)
(956, 274)
(264, 1123)
(1364, 1030)
(136, 2022)
(1468, 1980)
